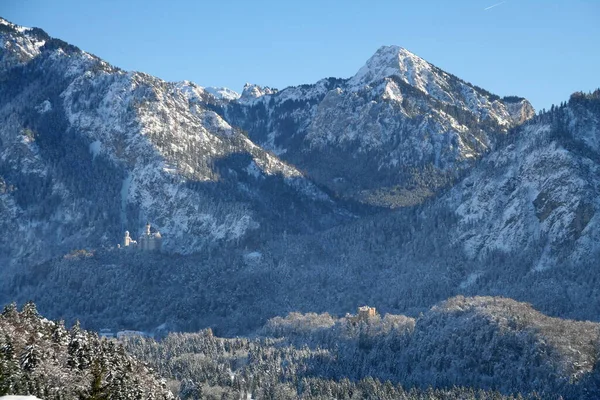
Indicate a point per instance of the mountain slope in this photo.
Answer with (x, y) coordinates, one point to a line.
(539, 193)
(390, 136)
(503, 344)
(89, 150)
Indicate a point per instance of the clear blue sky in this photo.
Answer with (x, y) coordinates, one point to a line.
(542, 50)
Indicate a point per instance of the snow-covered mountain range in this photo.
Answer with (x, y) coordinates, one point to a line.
(399, 187)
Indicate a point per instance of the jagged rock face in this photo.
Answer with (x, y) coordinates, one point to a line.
(89, 150)
(391, 135)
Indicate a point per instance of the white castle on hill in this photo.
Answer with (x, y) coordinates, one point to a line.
(148, 241)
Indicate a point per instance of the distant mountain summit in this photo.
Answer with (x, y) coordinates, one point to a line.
(223, 93)
(391, 61)
(391, 135)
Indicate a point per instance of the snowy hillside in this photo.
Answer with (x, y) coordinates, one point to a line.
(538, 193)
(475, 348)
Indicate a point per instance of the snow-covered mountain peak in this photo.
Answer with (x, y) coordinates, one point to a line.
(252, 92)
(193, 92)
(393, 61)
(397, 112)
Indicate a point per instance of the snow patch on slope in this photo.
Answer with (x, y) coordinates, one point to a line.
(223, 93)
(95, 148)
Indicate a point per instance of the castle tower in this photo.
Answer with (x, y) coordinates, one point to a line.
(150, 241)
(150, 245)
(126, 239)
(157, 241)
(366, 312)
